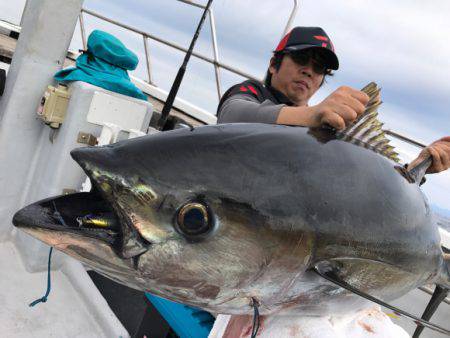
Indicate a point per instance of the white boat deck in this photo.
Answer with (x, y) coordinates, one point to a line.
(72, 310)
(415, 303)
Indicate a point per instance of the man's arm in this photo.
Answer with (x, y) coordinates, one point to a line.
(439, 151)
(339, 109)
(246, 108)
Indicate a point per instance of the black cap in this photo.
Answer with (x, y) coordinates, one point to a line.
(310, 37)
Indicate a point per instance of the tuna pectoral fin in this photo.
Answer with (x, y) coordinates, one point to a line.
(325, 270)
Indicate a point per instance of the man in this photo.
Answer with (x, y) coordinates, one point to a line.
(301, 61)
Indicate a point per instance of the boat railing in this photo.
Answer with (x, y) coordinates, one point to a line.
(215, 60)
(218, 65)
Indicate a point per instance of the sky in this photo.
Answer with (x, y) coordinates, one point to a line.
(402, 45)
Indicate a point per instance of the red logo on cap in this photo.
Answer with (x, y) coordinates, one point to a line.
(283, 42)
(321, 38)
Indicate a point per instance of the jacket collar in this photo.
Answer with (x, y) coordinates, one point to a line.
(279, 96)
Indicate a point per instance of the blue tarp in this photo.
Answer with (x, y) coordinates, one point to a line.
(186, 321)
(104, 64)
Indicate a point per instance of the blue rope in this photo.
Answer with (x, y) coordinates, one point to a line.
(44, 299)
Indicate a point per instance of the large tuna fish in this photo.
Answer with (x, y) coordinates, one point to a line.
(219, 215)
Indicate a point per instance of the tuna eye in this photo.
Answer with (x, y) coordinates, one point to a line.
(193, 219)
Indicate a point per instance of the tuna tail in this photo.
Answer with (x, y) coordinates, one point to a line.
(366, 131)
(439, 295)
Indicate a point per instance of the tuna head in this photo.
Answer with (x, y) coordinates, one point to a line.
(167, 217)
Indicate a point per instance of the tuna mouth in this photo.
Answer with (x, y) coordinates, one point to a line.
(93, 216)
(85, 213)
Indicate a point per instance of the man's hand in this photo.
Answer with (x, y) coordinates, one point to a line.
(340, 108)
(439, 151)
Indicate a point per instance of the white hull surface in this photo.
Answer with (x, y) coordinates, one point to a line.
(75, 308)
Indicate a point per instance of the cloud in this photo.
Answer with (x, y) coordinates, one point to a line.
(11, 11)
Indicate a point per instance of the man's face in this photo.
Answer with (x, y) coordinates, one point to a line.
(298, 77)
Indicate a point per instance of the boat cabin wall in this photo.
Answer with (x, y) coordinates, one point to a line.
(47, 29)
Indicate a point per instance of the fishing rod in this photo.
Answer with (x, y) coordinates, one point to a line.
(177, 82)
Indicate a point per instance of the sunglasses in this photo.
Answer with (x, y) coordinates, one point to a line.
(304, 57)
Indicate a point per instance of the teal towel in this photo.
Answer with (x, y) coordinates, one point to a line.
(104, 64)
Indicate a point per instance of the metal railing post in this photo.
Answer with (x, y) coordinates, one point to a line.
(291, 18)
(171, 44)
(216, 52)
(83, 33)
(216, 63)
(147, 60)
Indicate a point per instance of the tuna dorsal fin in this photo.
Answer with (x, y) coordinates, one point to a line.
(366, 131)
